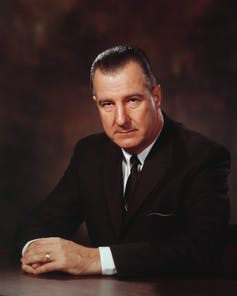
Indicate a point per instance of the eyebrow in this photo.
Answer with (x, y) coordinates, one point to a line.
(134, 95)
(139, 95)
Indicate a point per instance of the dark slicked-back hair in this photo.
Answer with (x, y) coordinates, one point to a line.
(115, 58)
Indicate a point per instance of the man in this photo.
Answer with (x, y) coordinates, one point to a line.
(166, 214)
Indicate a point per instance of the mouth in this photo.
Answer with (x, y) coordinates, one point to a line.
(126, 132)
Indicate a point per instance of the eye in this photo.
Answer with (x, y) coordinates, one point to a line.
(106, 105)
(133, 102)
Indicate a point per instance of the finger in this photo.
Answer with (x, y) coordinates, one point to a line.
(38, 244)
(27, 268)
(44, 268)
(34, 248)
(38, 268)
(35, 265)
(42, 242)
(38, 258)
(43, 245)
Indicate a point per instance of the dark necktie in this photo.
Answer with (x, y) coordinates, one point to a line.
(131, 182)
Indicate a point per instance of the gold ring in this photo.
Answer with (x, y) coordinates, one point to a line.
(47, 257)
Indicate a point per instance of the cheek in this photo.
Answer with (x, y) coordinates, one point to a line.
(143, 118)
(146, 122)
(106, 119)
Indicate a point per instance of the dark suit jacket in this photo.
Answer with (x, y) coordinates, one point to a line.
(177, 217)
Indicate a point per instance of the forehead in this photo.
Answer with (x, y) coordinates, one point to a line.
(130, 76)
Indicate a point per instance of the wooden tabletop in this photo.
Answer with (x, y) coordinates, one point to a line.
(13, 282)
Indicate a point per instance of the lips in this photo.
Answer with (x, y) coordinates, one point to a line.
(125, 132)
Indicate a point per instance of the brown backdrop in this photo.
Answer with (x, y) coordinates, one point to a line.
(46, 48)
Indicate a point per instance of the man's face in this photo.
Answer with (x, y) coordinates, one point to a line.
(129, 110)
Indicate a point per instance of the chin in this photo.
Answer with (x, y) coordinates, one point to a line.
(124, 145)
(129, 147)
(127, 144)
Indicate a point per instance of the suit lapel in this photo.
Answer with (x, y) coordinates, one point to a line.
(155, 169)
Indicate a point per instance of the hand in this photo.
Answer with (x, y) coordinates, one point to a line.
(64, 255)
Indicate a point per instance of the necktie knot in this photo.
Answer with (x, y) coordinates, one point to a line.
(134, 162)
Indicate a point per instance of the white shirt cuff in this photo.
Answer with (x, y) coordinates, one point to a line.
(107, 261)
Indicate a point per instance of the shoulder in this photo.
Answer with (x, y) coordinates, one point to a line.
(192, 143)
(94, 147)
(92, 143)
(93, 139)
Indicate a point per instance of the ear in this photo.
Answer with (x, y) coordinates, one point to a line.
(156, 93)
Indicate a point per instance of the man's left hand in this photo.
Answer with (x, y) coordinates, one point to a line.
(57, 254)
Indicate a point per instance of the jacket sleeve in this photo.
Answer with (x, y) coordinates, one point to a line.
(58, 215)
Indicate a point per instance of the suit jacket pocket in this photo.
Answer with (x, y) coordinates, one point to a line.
(162, 223)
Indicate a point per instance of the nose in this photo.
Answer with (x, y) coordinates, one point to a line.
(122, 117)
